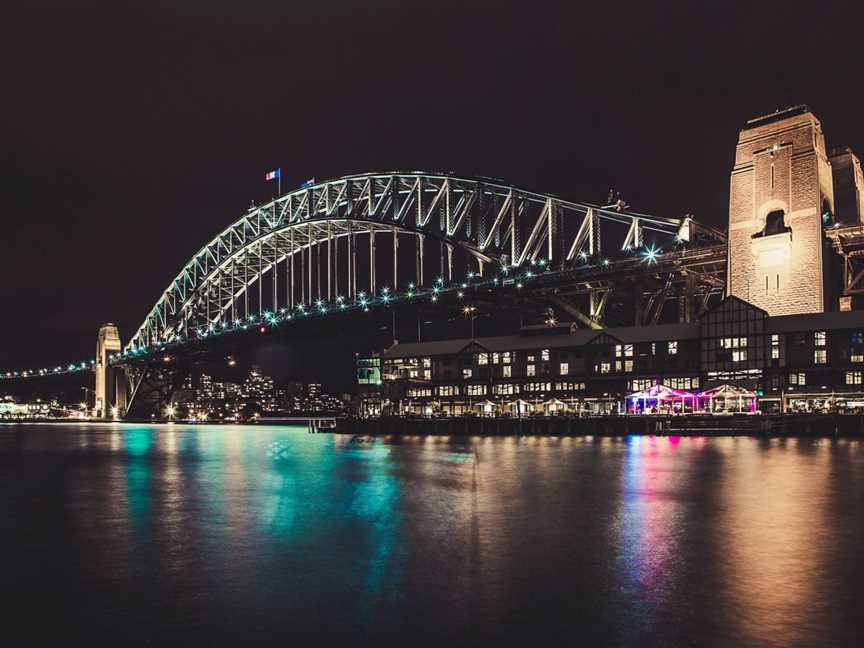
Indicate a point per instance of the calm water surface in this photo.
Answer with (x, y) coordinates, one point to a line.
(158, 535)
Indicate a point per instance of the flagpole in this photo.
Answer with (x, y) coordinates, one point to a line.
(279, 183)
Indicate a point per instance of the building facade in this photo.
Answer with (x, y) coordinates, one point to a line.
(813, 362)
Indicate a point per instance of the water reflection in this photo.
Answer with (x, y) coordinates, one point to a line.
(227, 535)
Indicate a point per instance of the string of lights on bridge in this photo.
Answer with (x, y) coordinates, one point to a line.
(509, 276)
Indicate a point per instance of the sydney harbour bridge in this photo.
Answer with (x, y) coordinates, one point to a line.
(343, 247)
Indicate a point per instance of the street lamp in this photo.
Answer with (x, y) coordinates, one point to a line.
(471, 312)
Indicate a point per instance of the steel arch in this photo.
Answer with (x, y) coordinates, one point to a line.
(487, 220)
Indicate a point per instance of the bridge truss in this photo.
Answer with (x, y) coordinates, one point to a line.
(348, 238)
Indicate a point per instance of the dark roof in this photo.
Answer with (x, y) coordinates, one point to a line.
(580, 337)
(815, 321)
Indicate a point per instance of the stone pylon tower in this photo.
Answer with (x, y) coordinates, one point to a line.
(110, 385)
(780, 198)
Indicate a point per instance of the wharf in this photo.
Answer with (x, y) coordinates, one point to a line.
(734, 425)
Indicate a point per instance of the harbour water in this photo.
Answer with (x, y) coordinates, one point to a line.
(198, 535)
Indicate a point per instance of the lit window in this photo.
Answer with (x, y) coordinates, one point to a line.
(530, 370)
(467, 373)
(819, 338)
(506, 371)
(605, 367)
(565, 368)
(427, 362)
(427, 374)
(530, 357)
(775, 352)
(628, 365)
(672, 347)
(544, 355)
(739, 355)
(797, 379)
(820, 356)
(856, 357)
(853, 378)
(495, 358)
(505, 357)
(482, 358)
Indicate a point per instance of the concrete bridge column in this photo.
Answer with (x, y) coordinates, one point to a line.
(110, 383)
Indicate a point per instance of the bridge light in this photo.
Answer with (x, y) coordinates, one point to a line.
(583, 255)
(385, 290)
(542, 262)
(650, 254)
(519, 285)
(460, 294)
(440, 281)
(434, 298)
(411, 286)
(605, 262)
(471, 275)
(529, 274)
(464, 285)
(262, 329)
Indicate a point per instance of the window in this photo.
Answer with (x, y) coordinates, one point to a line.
(820, 356)
(797, 379)
(505, 357)
(495, 358)
(672, 347)
(623, 350)
(564, 368)
(467, 373)
(739, 355)
(856, 357)
(506, 371)
(482, 358)
(734, 343)
(544, 355)
(853, 378)
(427, 362)
(819, 338)
(530, 370)
(427, 374)
(605, 367)
(530, 357)
(448, 390)
(505, 389)
(475, 390)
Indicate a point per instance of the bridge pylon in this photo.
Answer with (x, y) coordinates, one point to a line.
(110, 381)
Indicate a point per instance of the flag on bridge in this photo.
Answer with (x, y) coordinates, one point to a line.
(273, 175)
(308, 183)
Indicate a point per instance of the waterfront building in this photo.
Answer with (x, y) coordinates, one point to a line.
(801, 362)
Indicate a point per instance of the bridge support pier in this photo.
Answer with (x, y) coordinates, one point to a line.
(110, 382)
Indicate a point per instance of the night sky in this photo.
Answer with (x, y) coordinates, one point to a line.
(131, 135)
